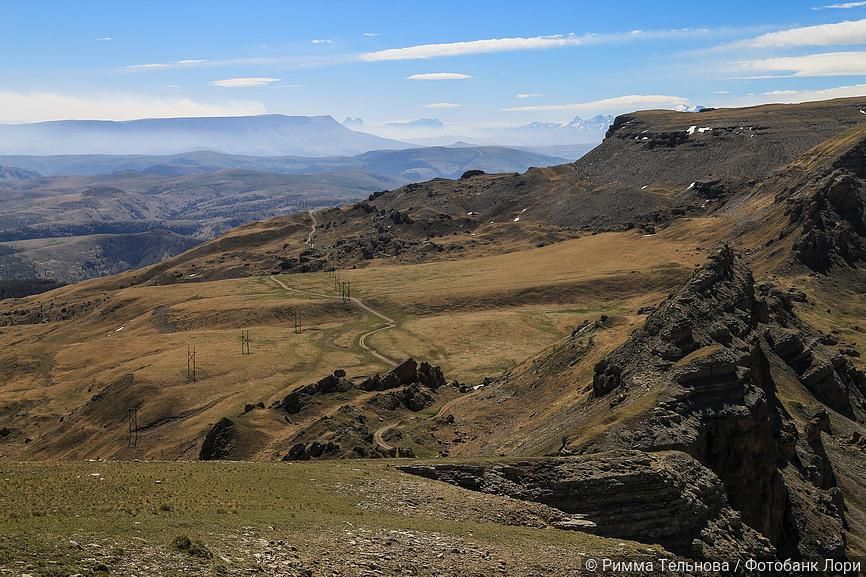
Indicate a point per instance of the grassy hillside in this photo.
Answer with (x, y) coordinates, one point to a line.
(100, 348)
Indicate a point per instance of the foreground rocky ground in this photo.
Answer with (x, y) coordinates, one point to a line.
(326, 518)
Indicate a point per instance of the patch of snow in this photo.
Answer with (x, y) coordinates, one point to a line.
(692, 129)
(644, 186)
(522, 211)
(120, 329)
(705, 129)
(472, 213)
(691, 186)
(517, 219)
(192, 275)
(862, 111)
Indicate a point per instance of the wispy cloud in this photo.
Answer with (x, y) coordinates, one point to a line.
(417, 123)
(40, 106)
(443, 105)
(243, 82)
(528, 95)
(609, 105)
(440, 76)
(321, 41)
(843, 6)
(105, 39)
(839, 33)
(824, 64)
(424, 51)
(299, 61)
(796, 96)
(493, 45)
(371, 34)
(162, 65)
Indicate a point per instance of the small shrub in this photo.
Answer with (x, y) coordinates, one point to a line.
(193, 548)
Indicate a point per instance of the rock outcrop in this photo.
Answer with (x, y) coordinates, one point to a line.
(298, 399)
(705, 356)
(219, 441)
(666, 498)
(830, 216)
(414, 397)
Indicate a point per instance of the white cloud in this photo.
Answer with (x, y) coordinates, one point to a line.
(824, 64)
(243, 82)
(371, 34)
(439, 76)
(39, 106)
(321, 41)
(105, 39)
(492, 45)
(161, 65)
(609, 105)
(528, 95)
(443, 105)
(839, 33)
(843, 5)
(424, 51)
(796, 96)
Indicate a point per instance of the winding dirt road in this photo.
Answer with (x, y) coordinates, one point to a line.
(379, 436)
(362, 339)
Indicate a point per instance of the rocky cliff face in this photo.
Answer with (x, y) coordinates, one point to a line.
(830, 217)
(706, 355)
(666, 498)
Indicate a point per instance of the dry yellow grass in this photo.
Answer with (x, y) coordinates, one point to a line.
(474, 317)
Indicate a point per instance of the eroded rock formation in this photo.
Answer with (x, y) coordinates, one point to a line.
(666, 498)
(706, 356)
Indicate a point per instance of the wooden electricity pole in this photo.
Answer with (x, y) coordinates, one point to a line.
(245, 342)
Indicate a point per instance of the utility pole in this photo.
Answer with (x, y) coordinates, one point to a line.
(245, 342)
(190, 364)
(132, 427)
(297, 318)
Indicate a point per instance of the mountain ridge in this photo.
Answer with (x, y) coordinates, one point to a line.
(269, 134)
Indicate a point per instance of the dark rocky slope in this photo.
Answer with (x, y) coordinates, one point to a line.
(706, 355)
(724, 370)
(666, 498)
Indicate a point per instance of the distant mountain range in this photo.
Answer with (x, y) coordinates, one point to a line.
(538, 134)
(404, 165)
(266, 135)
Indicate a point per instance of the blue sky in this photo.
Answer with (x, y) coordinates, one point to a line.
(470, 64)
